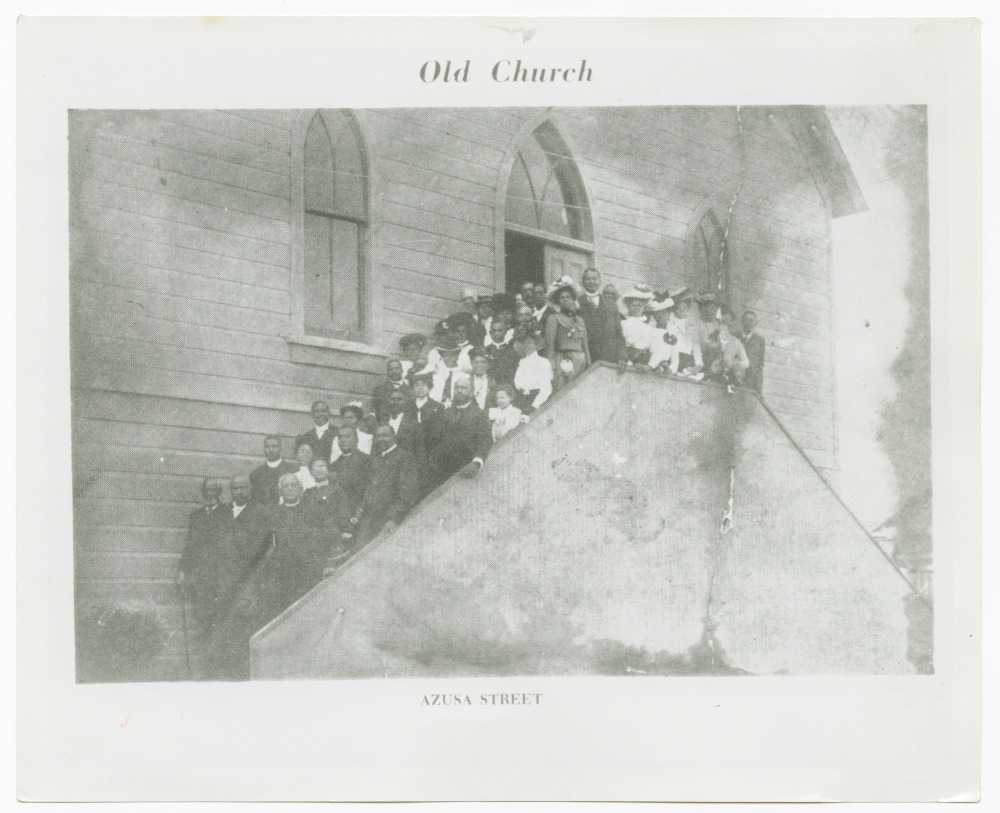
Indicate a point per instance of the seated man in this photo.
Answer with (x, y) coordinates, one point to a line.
(393, 381)
(465, 436)
(264, 479)
(350, 470)
(393, 488)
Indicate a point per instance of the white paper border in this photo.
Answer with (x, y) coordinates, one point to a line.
(778, 738)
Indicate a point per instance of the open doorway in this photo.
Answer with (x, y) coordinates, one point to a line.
(524, 259)
(535, 260)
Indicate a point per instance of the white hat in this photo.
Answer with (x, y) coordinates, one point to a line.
(468, 293)
(638, 291)
(659, 304)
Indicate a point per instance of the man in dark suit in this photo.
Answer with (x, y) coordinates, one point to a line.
(202, 570)
(755, 345)
(501, 352)
(483, 382)
(465, 436)
(298, 558)
(264, 479)
(250, 527)
(604, 324)
(420, 428)
(393, 381)
(350, 471)
(393, 488)
(320, 437)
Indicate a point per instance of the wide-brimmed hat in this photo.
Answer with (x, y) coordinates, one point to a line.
(564, 283)
(656, 304)
(638, 291)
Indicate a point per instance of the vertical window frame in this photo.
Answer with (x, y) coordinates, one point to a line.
(367, 337)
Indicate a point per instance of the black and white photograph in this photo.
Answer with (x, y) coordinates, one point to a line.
(515, 410)
(503, 391)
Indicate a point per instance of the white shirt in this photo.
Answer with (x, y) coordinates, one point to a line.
(305, 477)
(639, 334)
(595, 298)
(321, 430)
(503, 420)
(480, 388)
(540, 312)
(238, 509)
(395, 422)
(488, 341)
(688, 337)
(464, 363)
(440, 386)
(364, 445)
(534, 373)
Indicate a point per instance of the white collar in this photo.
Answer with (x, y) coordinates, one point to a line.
(320, 430)
(273, 465)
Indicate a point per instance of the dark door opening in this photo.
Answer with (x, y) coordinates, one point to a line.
(524, 259)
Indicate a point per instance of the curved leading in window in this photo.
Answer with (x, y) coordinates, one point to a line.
(335, 181)
(545, 192)
(710, 256)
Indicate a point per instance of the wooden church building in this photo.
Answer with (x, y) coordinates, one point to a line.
(229, 267)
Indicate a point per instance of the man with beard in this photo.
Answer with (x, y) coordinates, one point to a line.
(264, 479)
(393, 488)
(465, 436)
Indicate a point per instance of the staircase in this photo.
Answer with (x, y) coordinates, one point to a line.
(638, 525)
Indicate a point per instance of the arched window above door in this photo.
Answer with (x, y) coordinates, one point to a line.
(545, 192)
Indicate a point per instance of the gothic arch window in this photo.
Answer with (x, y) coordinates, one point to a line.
(710, 256)
(545, 193)
(335, 227)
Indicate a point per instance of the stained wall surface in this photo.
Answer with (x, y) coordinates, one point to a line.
(592, 543)
(187, 347)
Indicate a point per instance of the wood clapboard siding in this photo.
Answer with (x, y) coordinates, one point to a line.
(181, 252)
